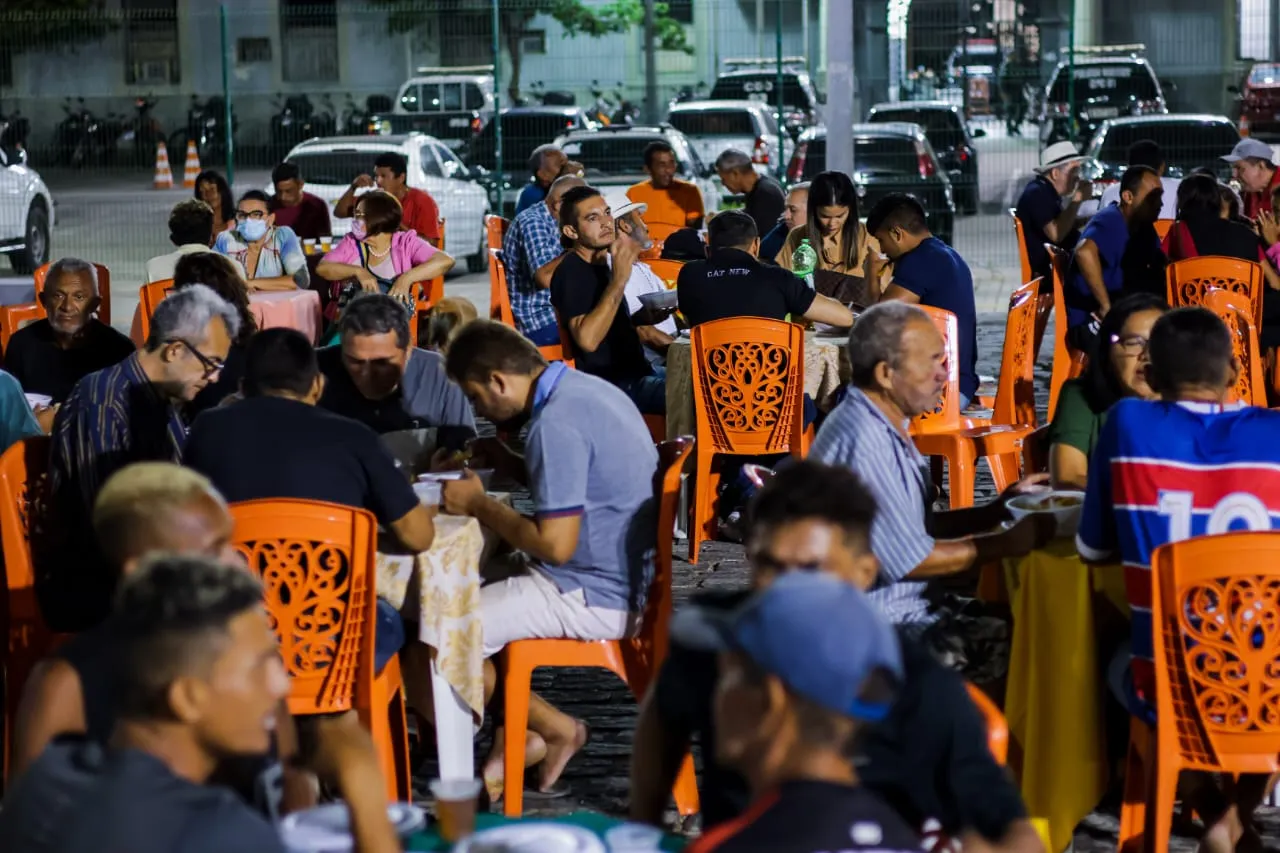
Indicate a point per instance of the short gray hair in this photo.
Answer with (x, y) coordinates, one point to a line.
(803, 187)
(539, 154)
(72, 266)
(375, 314)
(733, 160)
(876, 336)
(185, 315)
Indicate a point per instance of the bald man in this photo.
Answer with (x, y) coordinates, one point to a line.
(532, 253)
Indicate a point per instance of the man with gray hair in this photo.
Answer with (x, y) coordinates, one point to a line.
(898, 372)
(51, 355)
(796, 212)
(127, 413)
(545, 165)
(764, 199)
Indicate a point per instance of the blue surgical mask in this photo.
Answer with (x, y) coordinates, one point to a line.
(252, 229)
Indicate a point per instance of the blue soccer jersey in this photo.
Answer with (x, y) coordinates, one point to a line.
(1164, 472)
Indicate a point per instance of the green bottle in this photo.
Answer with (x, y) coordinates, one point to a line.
(804, 260)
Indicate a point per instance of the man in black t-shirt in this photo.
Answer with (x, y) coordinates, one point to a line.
(733, 283)
(200, 680)
(928, 758)
(587, 291)
(1050, 205)
(764, 197)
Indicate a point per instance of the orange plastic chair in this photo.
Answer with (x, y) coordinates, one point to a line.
(748, 399)
(24, 498)
(317, 565)
(667, 270)
(1214, 614)
(942, 432)
(1067, 363)
(1163, 227)
(1024, 259)
(1189, 280)
(149, 296)
(104, 288)
(997, 726)
(14, 317)
(1233, 308)
(495, 230)
(499, 296)
(636, 661)
(660, 231)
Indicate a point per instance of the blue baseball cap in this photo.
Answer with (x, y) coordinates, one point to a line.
(820, 635)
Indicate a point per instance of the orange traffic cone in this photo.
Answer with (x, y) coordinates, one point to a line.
(191, 169)
(164, 178)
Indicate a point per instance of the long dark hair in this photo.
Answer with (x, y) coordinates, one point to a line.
(218, 272)
(1101, 385)
(228, 211)
(835, 189)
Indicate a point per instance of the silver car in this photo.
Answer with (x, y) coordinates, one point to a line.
(712, 127)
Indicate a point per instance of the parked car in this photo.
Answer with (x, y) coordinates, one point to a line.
(523, 129)
(951, 139)
(614, 156)
(1187, 140)
(26, 214)
(332, 163)
(886, 158)
(450, 104)
(1105, 87)
(757, 79)
(749, 126)
(1259, 95)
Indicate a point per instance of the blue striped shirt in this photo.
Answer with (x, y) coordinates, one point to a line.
(858, 436)
(532, 242)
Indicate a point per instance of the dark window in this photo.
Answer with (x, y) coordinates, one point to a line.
(760, 87)
(681, 10)
(713, 123)
(878, 156)
(1186, 145)
(606, 155)
(1113, 82)
(151, 42)
(474, 96)
(429, 163)
(253, 50)
(534, 42)
(942, 127)
(309, 41)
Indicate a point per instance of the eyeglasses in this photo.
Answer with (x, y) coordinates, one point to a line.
(242, 215)
(1130, 344)
(211, 365)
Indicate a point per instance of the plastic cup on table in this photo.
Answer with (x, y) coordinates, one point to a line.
(633, 838)
(456, 806)
(428, 492)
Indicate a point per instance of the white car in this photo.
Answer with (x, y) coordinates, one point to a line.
(614, 157)
(329, 165)
(713, 127)
(26, 216)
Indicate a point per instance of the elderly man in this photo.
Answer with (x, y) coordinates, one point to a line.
(127, 413)
(657, 329)
(191, 230)
(670, 202)
(1050, 205)
(1252, 164)
(532, 252)
(306, 214)
(51, 355)
(589, 462)
(199, 681)
(375, 376)
(794, 213)
(897, 373)
(763, 197)
(390, 173)
(546, 163)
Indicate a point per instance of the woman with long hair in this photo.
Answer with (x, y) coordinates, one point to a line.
(1118, 371)
(213, 190)
(850, 267)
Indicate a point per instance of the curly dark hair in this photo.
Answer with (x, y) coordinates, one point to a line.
(219, 273)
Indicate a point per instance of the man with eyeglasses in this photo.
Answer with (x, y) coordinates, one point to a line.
(127, 413)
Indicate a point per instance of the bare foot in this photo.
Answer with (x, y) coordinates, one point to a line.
(1221, 836)
(535, 750)
(558, 754)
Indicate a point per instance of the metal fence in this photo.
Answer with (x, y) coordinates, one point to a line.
(89, 95)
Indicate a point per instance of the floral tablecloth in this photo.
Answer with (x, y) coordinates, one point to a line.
(825, 370)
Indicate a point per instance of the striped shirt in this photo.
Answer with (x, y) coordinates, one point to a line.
(858, 436)
(532, 242)
(1164, 472)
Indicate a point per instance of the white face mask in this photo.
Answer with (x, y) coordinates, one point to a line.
(252, 229)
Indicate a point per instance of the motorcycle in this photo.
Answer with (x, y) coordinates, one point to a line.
(292, 124)
(206, 125)
(627, 112)
(601, 108)
(688, 93)
(325, 122)
(143, 132)
(81, 138)
(552, 98)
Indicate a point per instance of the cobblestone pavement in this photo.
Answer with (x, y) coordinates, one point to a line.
(598, 775)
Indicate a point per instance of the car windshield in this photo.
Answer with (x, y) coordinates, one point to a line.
(520, 135)
(1186, 145)
(1264, 75)
(942, 127)
(713, 122)
(1108, 81)
(606, 155)
(337, 167)
(762, 87)
(871, 155)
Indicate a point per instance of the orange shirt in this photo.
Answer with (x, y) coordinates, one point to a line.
(678, 206)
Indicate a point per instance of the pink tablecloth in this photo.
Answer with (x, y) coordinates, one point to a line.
(296, 309)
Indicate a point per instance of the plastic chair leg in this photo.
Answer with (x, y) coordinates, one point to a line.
(516, 685)
(686, 789)
(960, 470)
(703, 526)
(1133, 809)
(386, 723)
(1004, 470)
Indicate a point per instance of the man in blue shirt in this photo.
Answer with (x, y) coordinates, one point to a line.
(1097, 271)
(545, 164)
(1049, 206)
(926, 271)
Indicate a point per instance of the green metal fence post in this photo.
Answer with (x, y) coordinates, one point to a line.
(497, 110)
(226, 96)
(1071, 72)
(777, 26)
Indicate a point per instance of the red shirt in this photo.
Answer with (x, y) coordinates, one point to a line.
(420, 214)
(308, 218)
(1255, 203)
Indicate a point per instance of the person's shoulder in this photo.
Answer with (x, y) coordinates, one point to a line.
(1073, 399)
(329, 358)
(638, 191)
(218, 820)
(106, 334)
(424, 363)
(35, 332)
(314, 200)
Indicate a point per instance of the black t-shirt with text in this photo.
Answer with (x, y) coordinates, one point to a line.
(731, 283)
(576, 288)
(42, 367)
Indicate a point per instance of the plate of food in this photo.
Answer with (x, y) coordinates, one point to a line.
(532, 837)
(327, 828)
(1065, 505)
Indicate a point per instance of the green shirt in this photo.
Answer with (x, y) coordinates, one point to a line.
(1075, 423)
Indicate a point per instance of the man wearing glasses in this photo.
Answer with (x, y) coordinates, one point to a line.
(123, 414)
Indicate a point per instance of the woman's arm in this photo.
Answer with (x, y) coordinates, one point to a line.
(275, 282)
(334, 271)
(1068, 467)
(439, 264)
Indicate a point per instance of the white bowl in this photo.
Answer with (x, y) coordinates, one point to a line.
(1065, 505)
(660, 300)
